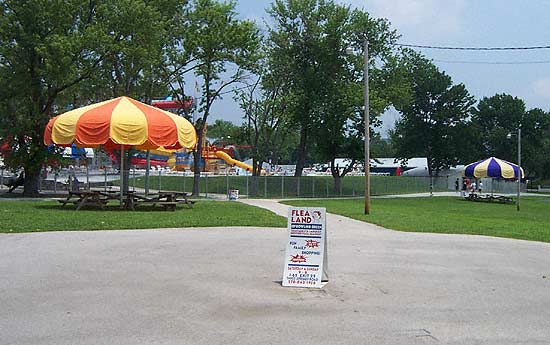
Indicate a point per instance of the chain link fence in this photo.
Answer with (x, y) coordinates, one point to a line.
(274, 187)
(282, 187)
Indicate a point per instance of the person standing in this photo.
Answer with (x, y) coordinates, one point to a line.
(480, 186)
(456, 185)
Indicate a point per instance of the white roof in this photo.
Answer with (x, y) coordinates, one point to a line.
(416, 162)
(68, 152)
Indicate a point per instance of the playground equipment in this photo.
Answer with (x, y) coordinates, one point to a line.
(170, 104)
(233, 162)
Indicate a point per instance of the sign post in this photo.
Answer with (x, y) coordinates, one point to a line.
(306, 249)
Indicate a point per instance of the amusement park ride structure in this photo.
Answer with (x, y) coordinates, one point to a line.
(215, 157)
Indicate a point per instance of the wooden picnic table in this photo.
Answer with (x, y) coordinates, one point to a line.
(502, 199)
(168, 200)
(85, 198)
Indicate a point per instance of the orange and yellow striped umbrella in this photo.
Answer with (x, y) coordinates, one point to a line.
(121, 121)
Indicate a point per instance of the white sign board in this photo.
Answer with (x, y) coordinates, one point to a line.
(306, 259)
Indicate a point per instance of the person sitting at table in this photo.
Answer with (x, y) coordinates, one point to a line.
(74, 183)
(13, 183)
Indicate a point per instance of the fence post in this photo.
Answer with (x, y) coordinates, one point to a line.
(54, 181)
(206, 186)
(226, 182)
(105, 182)
(247, 195)
(183, 181)
(134, 178)
(298, 187)
(87, 175)
(2, 179)
(160, 175)
(327, 186)
(265, 187)
(313, 187)
(282, 186)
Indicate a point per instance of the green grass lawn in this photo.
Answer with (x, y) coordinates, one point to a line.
(30, 216)
(450, 215)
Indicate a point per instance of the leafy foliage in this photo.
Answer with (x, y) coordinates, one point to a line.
(41, 55)
(435, 123)
(497, 120)
(267, 127)
(323, 84)
(224, 48)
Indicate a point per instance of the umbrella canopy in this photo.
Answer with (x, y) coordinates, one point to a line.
(120, 121)
(492, 167)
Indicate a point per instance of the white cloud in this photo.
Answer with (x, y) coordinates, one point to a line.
(423, 20)
(541, 88)
(389, 117)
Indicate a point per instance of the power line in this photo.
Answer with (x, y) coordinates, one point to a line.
(470, 48)
(494, 62)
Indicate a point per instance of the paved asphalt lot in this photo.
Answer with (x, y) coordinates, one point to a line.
(221, 286)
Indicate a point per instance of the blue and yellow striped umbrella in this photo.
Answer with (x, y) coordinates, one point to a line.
(493, 167)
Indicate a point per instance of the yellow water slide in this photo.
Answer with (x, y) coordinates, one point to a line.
(233, 162)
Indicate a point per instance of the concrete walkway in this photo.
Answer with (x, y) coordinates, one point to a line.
(221, 286)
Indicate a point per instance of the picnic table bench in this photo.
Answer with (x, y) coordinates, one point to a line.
(85, 198)
(168, 200)
(502, 199)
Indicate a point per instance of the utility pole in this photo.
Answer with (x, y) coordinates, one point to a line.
(367, 134)
(519, 167)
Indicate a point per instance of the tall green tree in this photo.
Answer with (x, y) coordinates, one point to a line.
(134, 54)
(307, 49)
(225, 51)
(223, 130)
(535, 140)
(497, 119)
(46, 47)
(266, 124)
(56, 55)
(435, 123)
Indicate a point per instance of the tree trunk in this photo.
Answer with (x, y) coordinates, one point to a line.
(257, 167)
(196, 164)
(32, 181)
(301, 153)
(337, 184)
(33, 164)
(196, 171)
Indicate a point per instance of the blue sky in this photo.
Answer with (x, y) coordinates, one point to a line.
(487, 23)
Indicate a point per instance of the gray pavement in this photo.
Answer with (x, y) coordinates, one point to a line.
(221, 286)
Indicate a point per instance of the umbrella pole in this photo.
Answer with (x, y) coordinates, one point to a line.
(121, 175)
(147, 170)
(87, 175)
